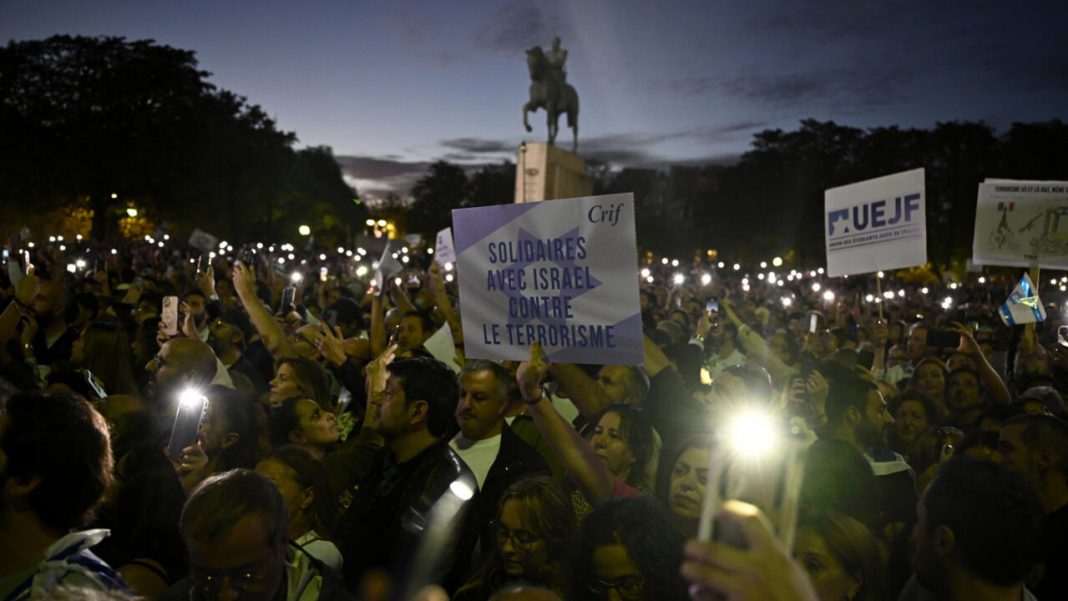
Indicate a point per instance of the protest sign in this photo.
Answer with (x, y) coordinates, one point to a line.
(443, 248)
(388, 266)
(563, 272)
(203, 241)
(876, 224)
(441, 346)
(1017, 223)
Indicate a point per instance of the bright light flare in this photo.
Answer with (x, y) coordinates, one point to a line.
(296, 277)
(191, 397)
(752, 433)
(678, 278)
(828, 296)
(706, 279)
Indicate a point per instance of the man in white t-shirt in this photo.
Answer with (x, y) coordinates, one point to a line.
(496, 455)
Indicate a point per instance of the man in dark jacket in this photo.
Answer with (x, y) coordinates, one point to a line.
(391, 506)
(496, 455)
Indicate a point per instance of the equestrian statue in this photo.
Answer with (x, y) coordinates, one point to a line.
(549, 90)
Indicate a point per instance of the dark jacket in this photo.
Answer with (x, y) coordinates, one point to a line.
(515, 460)
(389, 512)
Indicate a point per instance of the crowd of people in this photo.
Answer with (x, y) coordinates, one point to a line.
(335, 457)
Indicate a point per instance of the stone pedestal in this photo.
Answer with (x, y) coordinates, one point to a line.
(546, 172)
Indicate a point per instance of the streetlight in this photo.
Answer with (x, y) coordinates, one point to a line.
(304, 230)
(132, 212)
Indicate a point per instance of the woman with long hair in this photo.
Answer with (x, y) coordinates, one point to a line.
(302, 422)
(301, 479)
(299, 377)
(533, 524)
(104, 350)
(843, 560)
(627, 549)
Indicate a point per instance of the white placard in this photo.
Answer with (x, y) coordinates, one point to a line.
(1019, 224)
(877, 224)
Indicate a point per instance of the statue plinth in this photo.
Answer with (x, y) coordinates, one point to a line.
(545, 172)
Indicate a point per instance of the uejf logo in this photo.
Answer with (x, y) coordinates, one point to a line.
(872, 215)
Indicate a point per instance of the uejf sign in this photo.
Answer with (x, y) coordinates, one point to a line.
(876, 224)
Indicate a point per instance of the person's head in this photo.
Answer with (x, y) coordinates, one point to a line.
(741, 386)
(623, 439)
(301, 479)
(896, 355)
(55, 461)
(933, 446)
(304, 423)
(146, 500)
(687, 478)
(623, 383)
(235, 529)
(842, 558)
(1035, 445)
(230, 430)
(299, 377)
(916, 342)
(964, 395)
(349, 316)
(913, 413)
(104, 350)
(534, 523)
(855, 407)
(978, 521)
(839, 479)
(929, 378)
(484, 398)
(52, 301)
(421, 394)
(198, 305)
(415, 328)
(960, 359)
(1041, 399)
(627, 549)
(181, 362)
(230, 330)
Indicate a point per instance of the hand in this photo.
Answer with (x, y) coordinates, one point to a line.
(764, 571)
(189, 327)
(377, 372)
(880, 333)
(244, 280)
(704, 325)
(206, 282)
(191, 465)
(817, 392)
(967, 345)
(331, 345)
(531, 372)
(27, 288)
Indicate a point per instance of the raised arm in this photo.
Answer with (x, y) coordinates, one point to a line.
(274, 337)
(576, 457)
(587, 395)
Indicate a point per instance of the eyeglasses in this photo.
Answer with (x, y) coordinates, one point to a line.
(628, 587)
(249, 581)
(521, 539)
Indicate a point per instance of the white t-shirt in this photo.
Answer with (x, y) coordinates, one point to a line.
(321, 549)
(479, 455)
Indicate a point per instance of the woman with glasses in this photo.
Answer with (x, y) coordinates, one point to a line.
(534, 521)
(627, 549)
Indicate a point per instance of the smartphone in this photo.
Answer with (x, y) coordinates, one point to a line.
(712, 306)
(169, 315)
(288, 296)
(191, 407)
(247, 257)
(26, 262)
(813, 323)
(198, 263)
(95, 385)
(322, 274)
(393, 336)
(7, 255)
(329, 320)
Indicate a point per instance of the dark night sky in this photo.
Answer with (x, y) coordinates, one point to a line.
(392, 86)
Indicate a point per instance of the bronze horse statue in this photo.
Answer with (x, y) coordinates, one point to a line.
(551, 93)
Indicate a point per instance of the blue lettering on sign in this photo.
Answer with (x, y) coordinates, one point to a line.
(876, 214)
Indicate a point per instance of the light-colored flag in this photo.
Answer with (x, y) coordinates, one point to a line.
(1023, 305)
